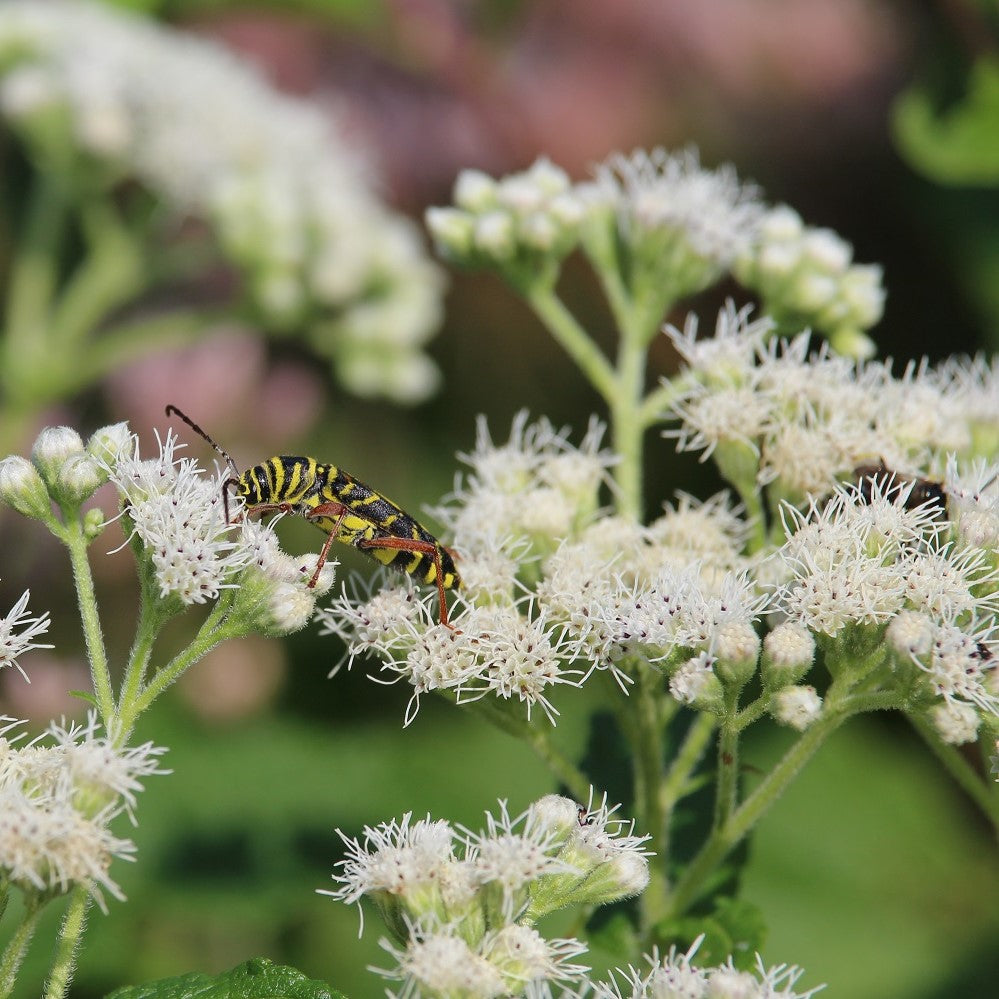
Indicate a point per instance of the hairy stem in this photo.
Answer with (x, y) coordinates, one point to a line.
(75, 541)
(17, 947)
(67, 944)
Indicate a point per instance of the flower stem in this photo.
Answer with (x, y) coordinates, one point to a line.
(17, 947)
(210, 634)
(572, 338)
(72, 535)
(727, 835)
(70, 934)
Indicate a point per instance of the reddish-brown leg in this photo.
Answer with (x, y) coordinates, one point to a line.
(422, 548)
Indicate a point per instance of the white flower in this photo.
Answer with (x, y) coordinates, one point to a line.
(797, 706)
(511, 853)
(18, 631)
(292, 203)
(710, 210)
(676, 977)
(178, 514)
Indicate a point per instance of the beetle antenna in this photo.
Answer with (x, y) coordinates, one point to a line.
(172, 410)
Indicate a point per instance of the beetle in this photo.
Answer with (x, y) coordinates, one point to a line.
(344, 507)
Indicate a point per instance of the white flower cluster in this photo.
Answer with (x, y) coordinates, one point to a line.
(672, 228)
(178, 513)
(679, 220)
(806, 278)
(58, 795)
(18, 630)
(518, 219)
(676, 976)
(868, 558)
(465, 902)
(292, 205)
(773, 414)
(554, 588)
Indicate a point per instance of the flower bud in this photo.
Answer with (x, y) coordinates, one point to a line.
(452, 230)
(21, 487)
(737, 649)
(475, 191)
(106, 443)
(956, 723)
(788, 654)
(494, 235)
(79, 478)
(52, 447)
(93, 524)
(796, 706)
(696, 685)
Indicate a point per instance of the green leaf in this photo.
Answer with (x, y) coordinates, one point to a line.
(254, 979)
(734, 928)
(959, 145)
(84, 695)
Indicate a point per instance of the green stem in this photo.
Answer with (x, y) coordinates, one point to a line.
(676, 783)
(110, 274)
(726, 790)
(70, 934)
(72, 535)
(13, 955)
(208, 637)
(985, 796)
(572, 338)
(138, 660)
(651, 814)
(723, 838)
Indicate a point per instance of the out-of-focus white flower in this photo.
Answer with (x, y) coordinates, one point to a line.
(292, 202)
(178, 515)
(58, 795)
(806, 277)
(684, 224)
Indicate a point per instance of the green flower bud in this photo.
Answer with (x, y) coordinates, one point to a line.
(93, 524)
(22, 488)
(52, 447)
(738, 649)
(108, 442)
(788, 654)
(797, 706)
(452, 230)
(78, 479)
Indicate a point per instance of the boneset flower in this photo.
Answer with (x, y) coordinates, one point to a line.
(291, 204)
(18, 631)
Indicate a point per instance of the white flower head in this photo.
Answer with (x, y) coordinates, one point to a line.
(178, 514)
(291, 202)
(714, 213)
(18, 630)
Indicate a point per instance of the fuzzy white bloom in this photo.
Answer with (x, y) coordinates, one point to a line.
(58, 795)
(676, 977)
(178, 515)
(806, 277)
(18, 630)
(466, 902)
(797, 706)
(292, 203)
(779, 414)
(710, 215)
(973, 501)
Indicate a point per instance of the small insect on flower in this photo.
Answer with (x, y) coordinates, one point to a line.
(877, 478)
(346, 509)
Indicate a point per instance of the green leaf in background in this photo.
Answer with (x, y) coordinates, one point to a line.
(255, 979)
(961, 144)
